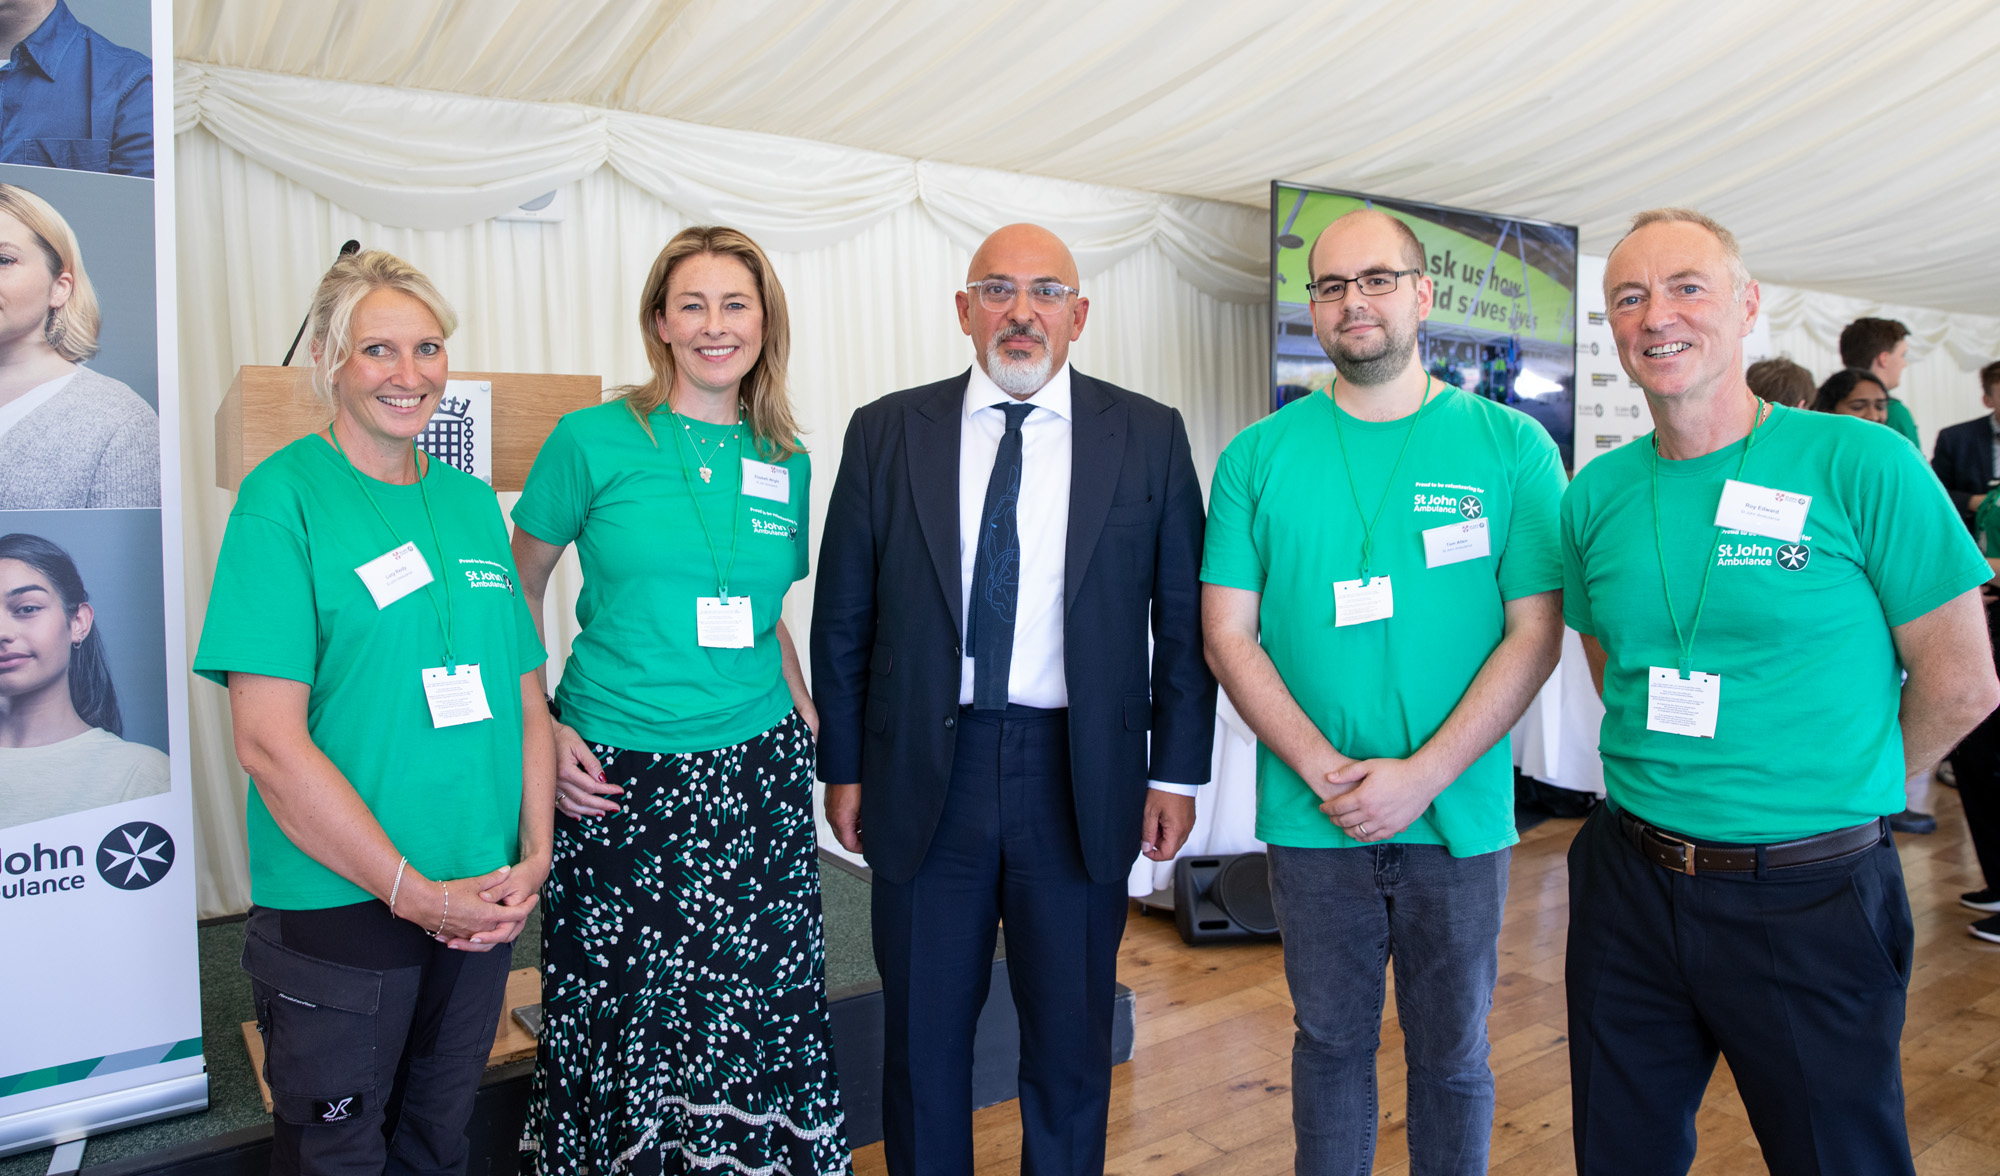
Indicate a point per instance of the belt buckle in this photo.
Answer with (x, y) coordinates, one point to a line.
(1686, 848)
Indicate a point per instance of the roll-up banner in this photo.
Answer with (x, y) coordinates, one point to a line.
(100, 1019)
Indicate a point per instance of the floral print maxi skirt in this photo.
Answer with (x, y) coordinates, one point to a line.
(683, 1008)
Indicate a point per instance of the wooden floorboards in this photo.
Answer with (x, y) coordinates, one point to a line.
(1208, 1089)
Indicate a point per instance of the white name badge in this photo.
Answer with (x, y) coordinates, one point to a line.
(1682, 706)
(1760, 510)
(1456, 543)
(455, 698)
(393, 576)
(723, 624)
(764, 480)
(1355, 603)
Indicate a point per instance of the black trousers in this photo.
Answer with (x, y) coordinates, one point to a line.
(1006, 848)
(1976, 761)
(375, 1037)
(1798, 978)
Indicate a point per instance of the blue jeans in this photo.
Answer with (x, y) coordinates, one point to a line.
(1345, 914)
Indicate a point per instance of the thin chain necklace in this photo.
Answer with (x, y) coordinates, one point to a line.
(704, 460)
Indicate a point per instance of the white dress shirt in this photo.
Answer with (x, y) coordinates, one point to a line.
(1035, 674)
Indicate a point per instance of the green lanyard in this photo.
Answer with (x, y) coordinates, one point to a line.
(437, 583)
(722, 574)
(1368, 527)
(1660, 546)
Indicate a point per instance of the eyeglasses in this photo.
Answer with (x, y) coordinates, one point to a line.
(997, 294)
(1373, 285)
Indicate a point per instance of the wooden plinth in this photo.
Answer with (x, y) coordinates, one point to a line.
(268, 408)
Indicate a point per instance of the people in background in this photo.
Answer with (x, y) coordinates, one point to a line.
(1856, 393)
(70, 437)
(61, 734)
(72, 98)
(1881, 347)
(1976, 760)
(1384, 785)
(1966, 457)
(999, 739)
(1740, 893)
(683, 999)
(382, 683)
(1781, 381)
(1860, 393)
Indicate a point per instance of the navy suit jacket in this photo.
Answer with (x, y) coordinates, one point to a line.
(887, 624)
(1963, 461)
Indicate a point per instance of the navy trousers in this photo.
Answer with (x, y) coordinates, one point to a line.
(1006, 849)
(1797, 977)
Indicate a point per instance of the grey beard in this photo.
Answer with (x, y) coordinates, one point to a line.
(1020, 377)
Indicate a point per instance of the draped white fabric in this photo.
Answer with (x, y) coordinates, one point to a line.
(1849, 143)
(871, 313)
(427, 160)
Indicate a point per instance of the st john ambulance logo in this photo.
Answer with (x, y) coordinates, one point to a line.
(134, 856)
(1793, 556)
(1470, 507)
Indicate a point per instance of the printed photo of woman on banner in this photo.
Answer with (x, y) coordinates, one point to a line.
(72, 434)
(65, 741)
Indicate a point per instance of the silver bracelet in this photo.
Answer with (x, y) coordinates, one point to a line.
(446, 913)
(400, 863)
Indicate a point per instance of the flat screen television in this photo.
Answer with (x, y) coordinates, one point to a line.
(1504, 320)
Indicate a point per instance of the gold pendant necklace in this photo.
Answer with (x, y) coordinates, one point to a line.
(702, 460)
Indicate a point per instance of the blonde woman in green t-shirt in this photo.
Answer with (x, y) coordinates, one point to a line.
(683, 1009)
(382, 680)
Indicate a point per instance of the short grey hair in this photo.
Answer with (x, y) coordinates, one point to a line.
(1739, 275)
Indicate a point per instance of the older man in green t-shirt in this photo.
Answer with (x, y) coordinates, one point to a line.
(1380, 601)
(1731, 573)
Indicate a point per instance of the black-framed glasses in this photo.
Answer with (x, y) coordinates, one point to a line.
(999, 294)
(1332, 289)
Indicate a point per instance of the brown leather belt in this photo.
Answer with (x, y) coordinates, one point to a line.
(1671, 851)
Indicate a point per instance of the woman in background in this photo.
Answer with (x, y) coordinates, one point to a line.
(683, 997)
(69, 437)
(61, 749)
(1853, 392)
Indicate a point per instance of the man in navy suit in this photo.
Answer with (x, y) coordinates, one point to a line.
(994, 728)
(1963, 454)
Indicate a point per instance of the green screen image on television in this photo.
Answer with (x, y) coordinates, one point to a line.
(1503, 319)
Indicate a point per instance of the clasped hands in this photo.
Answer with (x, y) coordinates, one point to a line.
(1372, 799)
(483, 912)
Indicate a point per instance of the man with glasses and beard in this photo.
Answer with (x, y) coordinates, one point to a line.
(1381, 600)
(997, 549)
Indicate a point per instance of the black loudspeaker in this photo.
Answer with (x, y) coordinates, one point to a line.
(1223, 899)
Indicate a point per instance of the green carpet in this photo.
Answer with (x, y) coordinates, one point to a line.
(225, 1004)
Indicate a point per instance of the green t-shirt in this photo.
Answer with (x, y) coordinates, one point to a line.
(1806, 739)
(1282, 522)
(1901, 421)
(637, 677)
(287, 603)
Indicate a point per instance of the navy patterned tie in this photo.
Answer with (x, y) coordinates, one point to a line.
(996, 571)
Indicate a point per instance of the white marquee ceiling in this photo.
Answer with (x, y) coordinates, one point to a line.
(1853, 146)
